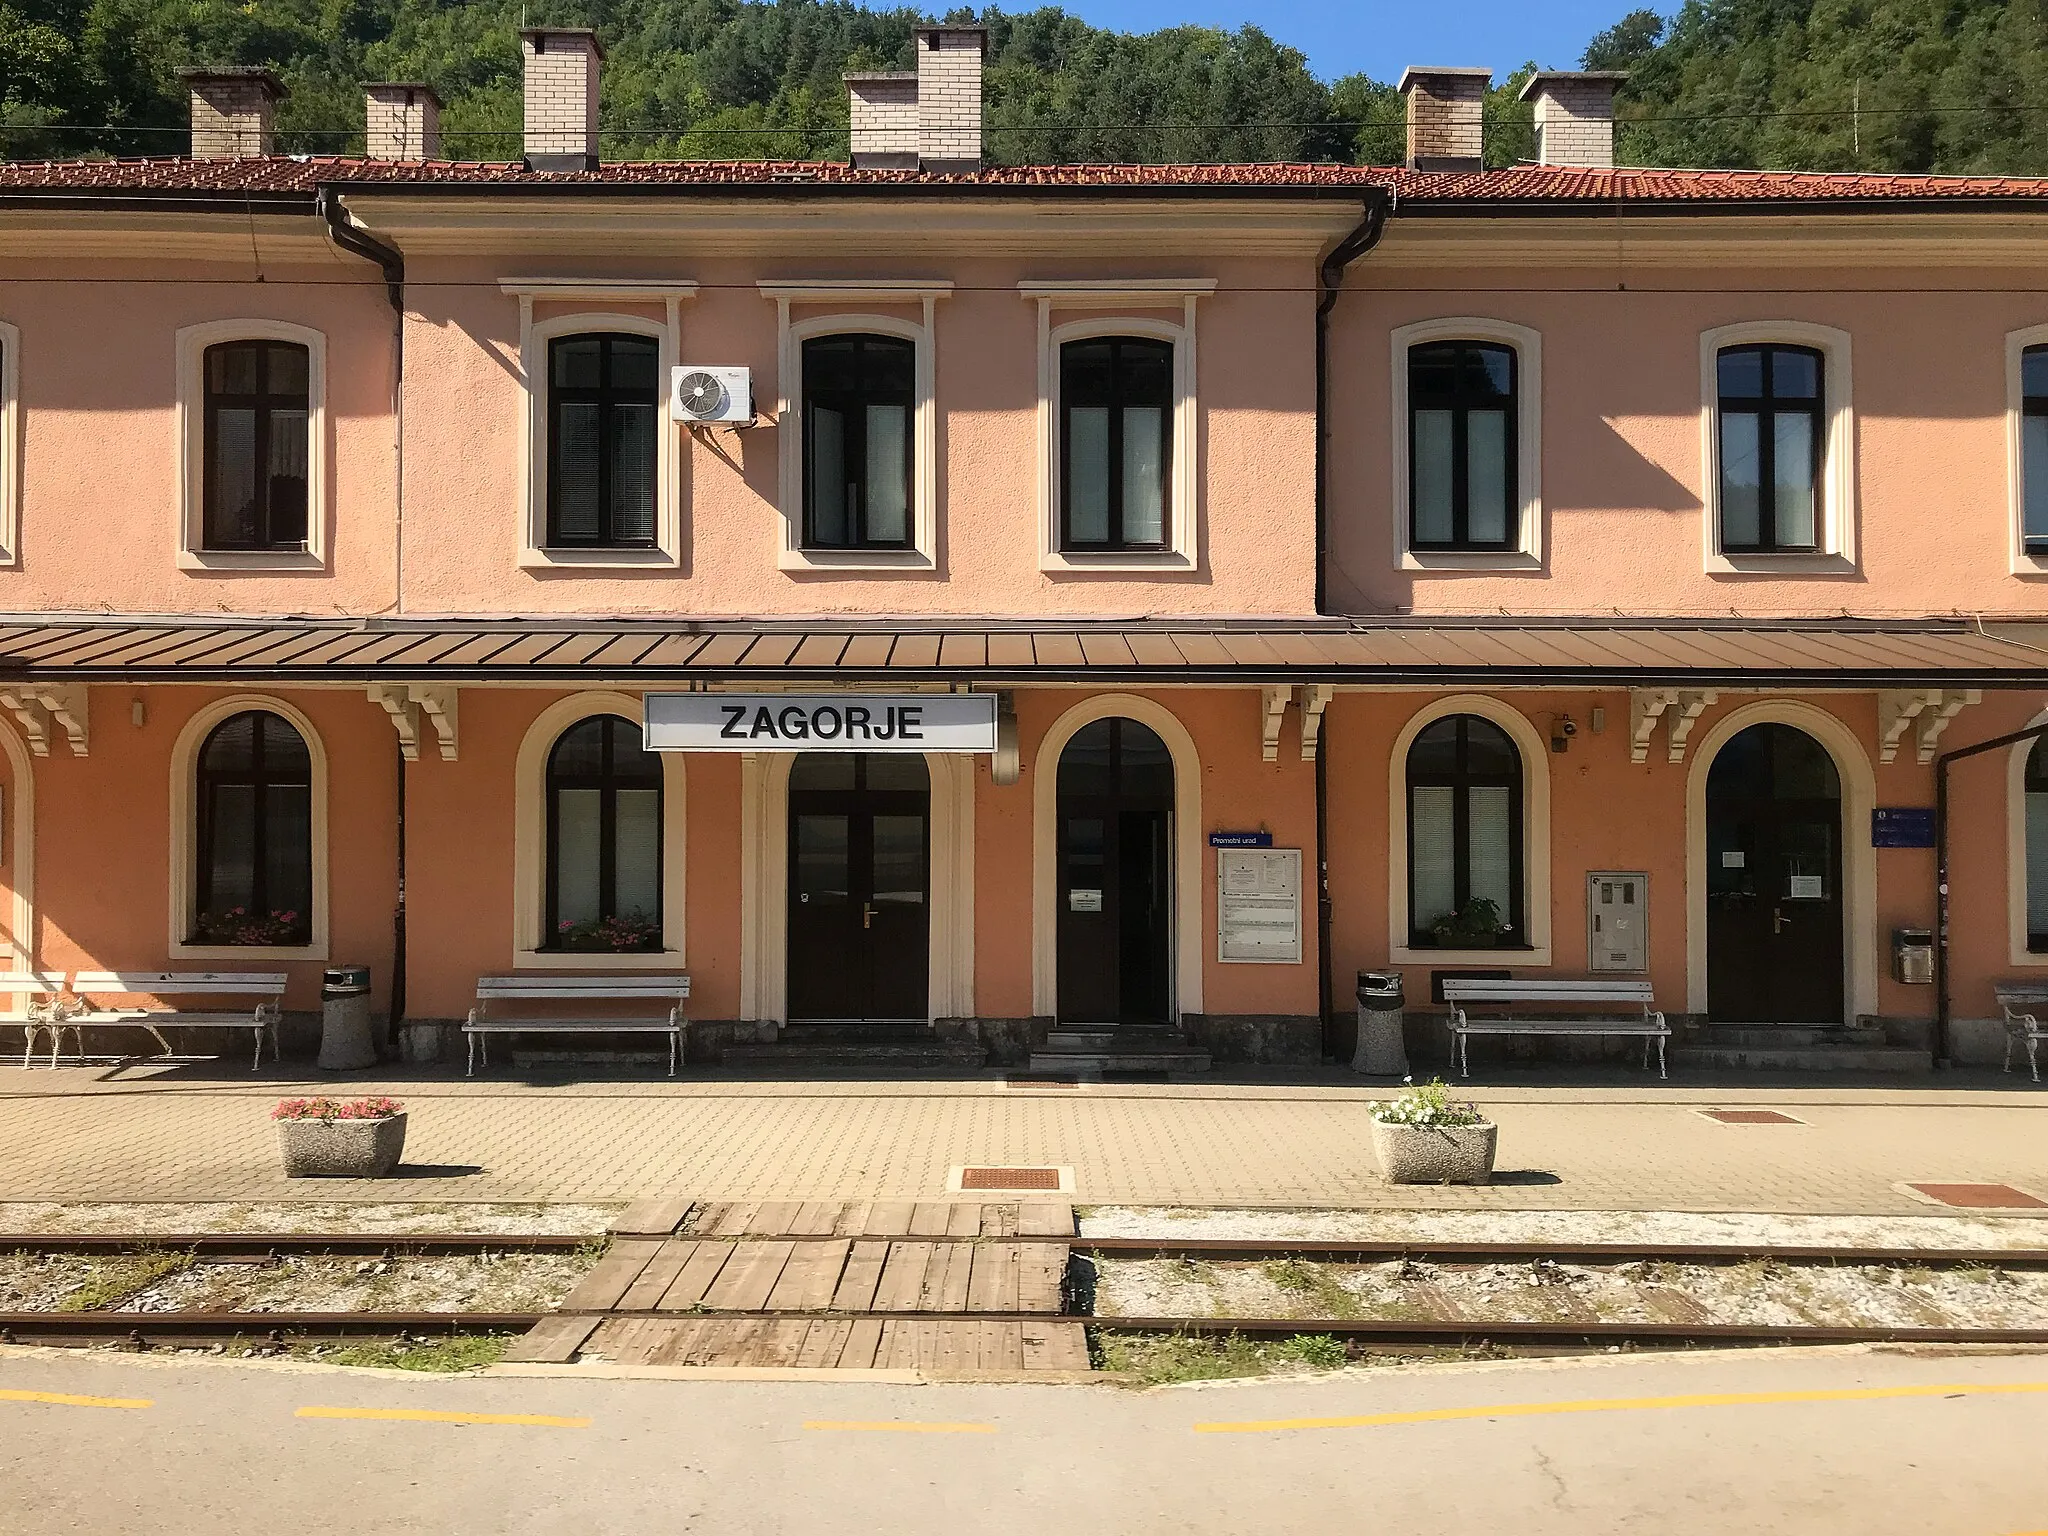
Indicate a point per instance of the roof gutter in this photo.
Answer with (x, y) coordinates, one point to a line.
(351, 237)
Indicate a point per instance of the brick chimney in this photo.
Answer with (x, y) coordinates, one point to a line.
(233, 111)
(561, 97)
(1574, 115)
(401, 121)
(1446, 115)
(949, 97)
(883, 111)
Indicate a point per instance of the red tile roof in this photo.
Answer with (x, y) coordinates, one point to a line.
(1520, 187)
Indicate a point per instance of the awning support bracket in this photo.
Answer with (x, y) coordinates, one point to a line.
(38, 705)
(1679, 708)
(1925, 711)
(407, 703)
(1272, 709)
(1312, 700)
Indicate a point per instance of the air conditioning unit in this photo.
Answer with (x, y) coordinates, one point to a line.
(712, 394)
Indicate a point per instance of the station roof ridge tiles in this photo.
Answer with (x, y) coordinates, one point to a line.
(1530, 187)
(1613, 652)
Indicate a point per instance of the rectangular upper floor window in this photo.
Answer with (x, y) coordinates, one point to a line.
(257, 446)
(1463, 490)
(2034, 451)
(1770, 401)
(1116, 443)
(860, 397)
(604, 401)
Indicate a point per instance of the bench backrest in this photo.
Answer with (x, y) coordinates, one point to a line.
(2007, 992)
(182, 983)
(1546, 991)
(590, 988)
(24, 981)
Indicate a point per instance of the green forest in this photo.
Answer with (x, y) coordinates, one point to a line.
(1912, 85)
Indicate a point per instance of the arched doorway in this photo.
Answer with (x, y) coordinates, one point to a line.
(1774, 880)
(1116, 877)
(859, 887)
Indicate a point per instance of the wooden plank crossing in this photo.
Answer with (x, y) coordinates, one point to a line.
(959, 1347)
(933, 1219)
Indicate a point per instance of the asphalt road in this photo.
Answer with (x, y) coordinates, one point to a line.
(1805, 1442)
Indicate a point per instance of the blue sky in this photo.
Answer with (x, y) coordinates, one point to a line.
(1381, 37)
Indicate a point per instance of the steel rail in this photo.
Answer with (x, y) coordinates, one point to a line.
(244, 1246)
(145, 1330)
(1467, 1332)
(1574, 1253)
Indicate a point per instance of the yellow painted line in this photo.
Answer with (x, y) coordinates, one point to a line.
(70, 1400)
(900, 1426)
(434, 1416)
(1625, 1405)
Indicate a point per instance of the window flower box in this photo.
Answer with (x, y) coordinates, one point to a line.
(340, 1138)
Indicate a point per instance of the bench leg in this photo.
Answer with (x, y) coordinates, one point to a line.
(1660, 1058)
(1464, 1055)
(472, 1057)
(2008, 1052)
(2033, 1056)
(675, 1041)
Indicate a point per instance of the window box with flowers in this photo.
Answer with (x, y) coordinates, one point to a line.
(240, 926)
(339, 1138)
(634, 933)
(1423, 1137)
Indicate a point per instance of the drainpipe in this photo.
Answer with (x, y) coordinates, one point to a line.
(1941, 765)
(1329, 284)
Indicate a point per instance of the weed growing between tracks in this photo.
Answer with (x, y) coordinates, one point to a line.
(443, 1356)
(1160, 1359)
(109, 1281)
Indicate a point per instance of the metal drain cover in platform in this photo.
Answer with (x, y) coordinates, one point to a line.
(1050, 1180)
(1751, 1117)
(1977, 1197)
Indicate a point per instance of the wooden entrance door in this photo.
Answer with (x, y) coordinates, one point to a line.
(1774, 880)
(1115, 875)
(859, 887)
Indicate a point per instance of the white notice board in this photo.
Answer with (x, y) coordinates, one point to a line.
(1258, 905)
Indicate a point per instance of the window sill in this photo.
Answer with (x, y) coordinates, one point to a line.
(555, 960)
(536, 558)
(1114, 561)
(1470, 560)
(856, 560)
(2026, 563)
(314, 951)
(250, 560)
(1501, 955)
(1790, 564)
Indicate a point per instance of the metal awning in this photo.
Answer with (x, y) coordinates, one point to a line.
(1500, 652)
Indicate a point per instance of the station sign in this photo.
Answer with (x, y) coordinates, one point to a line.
(838, 722)
(1902, 826)
(1240, 839)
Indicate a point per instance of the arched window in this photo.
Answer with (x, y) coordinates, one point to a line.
(255, 811)
(860, 398)
(256, 445)
(603, 840)
(2036, 787)
(1464, 836)
(1772, 402)
(1463, 486)
(604, 398)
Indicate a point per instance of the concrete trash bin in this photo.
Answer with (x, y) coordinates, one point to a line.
(347, 1043)
(1382, 1052)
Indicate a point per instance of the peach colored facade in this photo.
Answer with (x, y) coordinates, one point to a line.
(426, 477)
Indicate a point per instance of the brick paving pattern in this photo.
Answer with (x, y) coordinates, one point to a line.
(70, 1134)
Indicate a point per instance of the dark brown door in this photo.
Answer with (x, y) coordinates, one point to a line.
(1774, 881)
(1115, 875)
(859, 883)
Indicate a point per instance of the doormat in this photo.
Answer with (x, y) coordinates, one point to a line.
(1051, 1180)
(1751, 1117)
(1977, 1197)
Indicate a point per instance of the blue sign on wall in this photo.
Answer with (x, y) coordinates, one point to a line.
(1240, 839)
(1902, 826)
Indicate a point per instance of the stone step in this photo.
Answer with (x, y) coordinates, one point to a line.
(830, 1056)
(1783, 1036)
(1074, 1062)
(1800, 1058)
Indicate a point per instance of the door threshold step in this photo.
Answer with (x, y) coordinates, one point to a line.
(1120, 1061)
(1785, 1036)
(931, 1055)
(1814, 1058)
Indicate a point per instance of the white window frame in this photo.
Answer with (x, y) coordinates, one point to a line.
(184, 905)
(2016, 854)
(534, 336)
(1116, 306)
(1535, 836)
(1527, 555)
(10, 444)
(790, 336)
(2016, 344)
(530, 841)
(193, 555)
(1836, 555)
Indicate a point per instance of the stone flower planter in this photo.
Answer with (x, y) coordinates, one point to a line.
(1435, 1154)
(341, 1149)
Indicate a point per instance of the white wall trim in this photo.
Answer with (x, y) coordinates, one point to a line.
(1859, 859)
(1535, 752)
(11, 444)
(19, 856)
(534, 336)
(1186, 923)
(2017, 952)
(1528, 346)
(184, 892)
(1838, 510)
(764, 886)
(530, 833)
(2016, 343)
(790, 337)
(190, 418)
(1184, 517)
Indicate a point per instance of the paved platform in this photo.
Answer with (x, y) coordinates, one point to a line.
(1610, 1141)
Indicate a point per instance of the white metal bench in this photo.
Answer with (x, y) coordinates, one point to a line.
(84, 1005)
(672, 990)
(33, 1016)
(1464, 994)
(2023, 1004)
